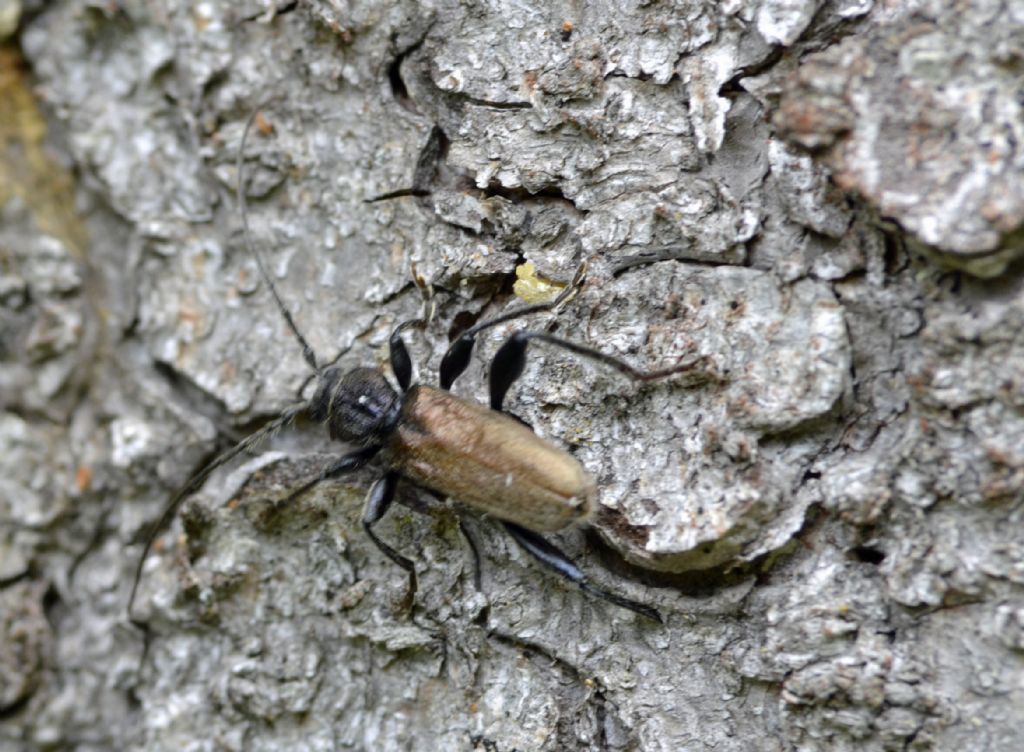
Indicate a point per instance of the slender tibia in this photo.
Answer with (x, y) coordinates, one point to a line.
(548, 555)
(509, 361)
(382, 493)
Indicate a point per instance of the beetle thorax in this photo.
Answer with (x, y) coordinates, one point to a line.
(359, 406)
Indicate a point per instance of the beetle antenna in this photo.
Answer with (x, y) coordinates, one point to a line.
(245, 445)
(307, 352)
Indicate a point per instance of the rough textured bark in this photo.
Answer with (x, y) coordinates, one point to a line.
(823, 200)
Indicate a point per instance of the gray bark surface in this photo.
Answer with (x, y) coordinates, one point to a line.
(821, 202)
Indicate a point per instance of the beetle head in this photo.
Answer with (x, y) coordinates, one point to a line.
(359, 406)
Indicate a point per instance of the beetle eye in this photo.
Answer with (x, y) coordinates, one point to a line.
(367, 405)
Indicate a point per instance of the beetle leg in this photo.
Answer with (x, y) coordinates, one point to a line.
(509, 361)
(382, 493)
(507, 366)
(456, 358)
(347, 464)
(546, 553)
(378, 500)
(401, 363)
(475, 550)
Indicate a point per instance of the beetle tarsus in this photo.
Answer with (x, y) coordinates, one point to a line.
(649, 611)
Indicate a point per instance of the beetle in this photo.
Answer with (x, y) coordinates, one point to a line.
(484, 457)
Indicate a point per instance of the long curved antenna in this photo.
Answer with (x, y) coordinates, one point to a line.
(307, 352)
(247, 444)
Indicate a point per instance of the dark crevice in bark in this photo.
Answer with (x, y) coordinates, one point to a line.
(868, 554)
(520, 195)
(496, 105)
(733, 86)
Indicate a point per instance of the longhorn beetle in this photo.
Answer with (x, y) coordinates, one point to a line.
(485, 458)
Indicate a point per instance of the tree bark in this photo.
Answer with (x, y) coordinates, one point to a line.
(820, 204)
